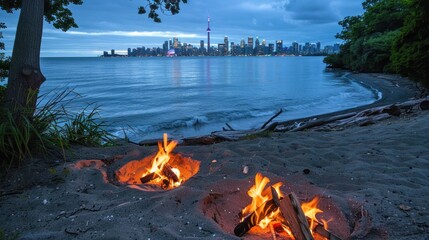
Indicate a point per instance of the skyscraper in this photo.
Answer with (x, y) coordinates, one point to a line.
(279, 47)
(202, 47)
(175, 42)
(226, 42)
(208, 36)
(249, 48)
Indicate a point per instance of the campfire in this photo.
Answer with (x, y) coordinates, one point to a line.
(165, 169)
(283, 214)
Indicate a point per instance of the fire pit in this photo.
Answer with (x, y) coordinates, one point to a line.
(284, 215)
(164, 170)
(161, 171)
(273, 211)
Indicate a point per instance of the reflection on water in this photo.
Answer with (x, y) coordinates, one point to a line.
(195, 95)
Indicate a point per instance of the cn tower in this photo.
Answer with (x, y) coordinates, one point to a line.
(208, 36)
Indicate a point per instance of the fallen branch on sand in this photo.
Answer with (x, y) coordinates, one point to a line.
(230, 134)
(363, 118)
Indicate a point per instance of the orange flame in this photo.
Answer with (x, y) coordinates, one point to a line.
(160, 160)
(260, 195)
(310, 210)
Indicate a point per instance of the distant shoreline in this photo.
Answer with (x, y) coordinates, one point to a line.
(393, 88)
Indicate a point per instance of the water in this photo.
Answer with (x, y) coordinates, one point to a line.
(193, 96)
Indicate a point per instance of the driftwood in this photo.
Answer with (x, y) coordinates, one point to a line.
(291, 211)
(320, 122)
(424, 105)
(362, 118)
(203, 140)
(229, 127)
(360, 121)
(272, 118)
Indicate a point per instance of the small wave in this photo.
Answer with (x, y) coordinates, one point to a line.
(195, 121)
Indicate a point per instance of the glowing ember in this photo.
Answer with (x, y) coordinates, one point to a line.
(160, 170)
(165, 169)
(259, 196)
(264, 211)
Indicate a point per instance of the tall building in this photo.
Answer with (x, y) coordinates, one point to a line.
(279, 47)
(250, 42)
(208, 36)
(175, 42)
(271, 48)
(318, 47)
(165, 47)
(295, 48)
(249, 48)
(226, 42)
(202, 50)
(221, 48)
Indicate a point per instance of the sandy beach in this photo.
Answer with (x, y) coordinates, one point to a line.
(372, 181)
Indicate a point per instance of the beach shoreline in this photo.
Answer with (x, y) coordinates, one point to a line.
(375, 177)
(393, 89)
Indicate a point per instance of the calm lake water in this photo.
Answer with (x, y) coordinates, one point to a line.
(193, 96)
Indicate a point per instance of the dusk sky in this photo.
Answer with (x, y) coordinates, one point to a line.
(115, 24)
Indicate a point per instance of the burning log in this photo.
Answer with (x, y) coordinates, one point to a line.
(253, 219)
(148, 177)
(291, 210)
(168, 172)
(319, 229)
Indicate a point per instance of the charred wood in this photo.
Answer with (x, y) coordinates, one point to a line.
(148, 177)
(252, 220)
(168, 172)
(293, 215)
(319, 229)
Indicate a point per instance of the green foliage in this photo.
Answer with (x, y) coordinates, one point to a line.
(390, 36)
(86, 128)
(52, 128)
(334, 60)
(410, 52)
(58, 13)
(4, 61)
(4, 65)
(162, 6)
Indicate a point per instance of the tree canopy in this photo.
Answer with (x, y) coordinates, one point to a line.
(59, 15)
(25, 77)
(390, 36)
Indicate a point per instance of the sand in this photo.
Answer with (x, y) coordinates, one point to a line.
(373, 180)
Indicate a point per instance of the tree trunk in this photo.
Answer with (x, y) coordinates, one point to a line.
(25, 77)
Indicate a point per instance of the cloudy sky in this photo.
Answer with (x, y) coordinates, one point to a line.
(115, 24)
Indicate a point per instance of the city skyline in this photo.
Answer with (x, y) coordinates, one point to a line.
(251, 47)
(107, 25)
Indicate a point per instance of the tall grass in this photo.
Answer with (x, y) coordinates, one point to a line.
(52, 129)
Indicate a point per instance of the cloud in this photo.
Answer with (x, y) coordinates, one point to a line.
(255, 6)
(312, 12)
(166, 34)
